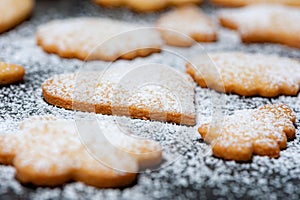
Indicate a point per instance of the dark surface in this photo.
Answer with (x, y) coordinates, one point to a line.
(196, 174)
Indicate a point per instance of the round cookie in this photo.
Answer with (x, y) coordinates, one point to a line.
(13, 12)
(10, 73)
(247, 74)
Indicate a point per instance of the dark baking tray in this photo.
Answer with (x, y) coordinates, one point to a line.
(195, 174)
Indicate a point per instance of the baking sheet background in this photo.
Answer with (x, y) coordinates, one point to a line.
(192, 175)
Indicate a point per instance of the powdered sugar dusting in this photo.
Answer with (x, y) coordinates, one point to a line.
(263, 17)
(266, 125)
(167, 92)
(8, 68)
(195, 174)
(47, 142)
(187, 20)
(252, 72)
(96, 38)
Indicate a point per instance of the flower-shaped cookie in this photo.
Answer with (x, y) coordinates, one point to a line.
(184, 25)
(91, 38)
(50, 152)
(235, 3)
(263, 131)
(247, 74)
(264, 23)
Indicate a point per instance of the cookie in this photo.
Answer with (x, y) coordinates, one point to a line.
(145, 5)
(238, 3)
(97, 39)
(49, 152)
(184, 25)
(146, 92)
(13, 12)
(247, 74)
(10, 73)
(263, 131)
(264, 23)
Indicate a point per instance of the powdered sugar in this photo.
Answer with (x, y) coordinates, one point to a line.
(187, 20)
(263, 17)
(96, 38)
(6, 68)
(150, 87)
(263, 125)
(196, 173)
(46, 143)
(252, 72)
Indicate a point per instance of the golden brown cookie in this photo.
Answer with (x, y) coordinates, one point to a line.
(49, 152)
(184, 25)
(263, 131)
(264, 23)
(97, 39)
(145, 5)
(247, 74)
(147, 92)
(10, 73)
(238, 3)
(13, 12)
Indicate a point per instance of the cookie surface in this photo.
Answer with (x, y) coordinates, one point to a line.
(264, 23)
(247, 74)
(147, 92)
(49, 152)
(10, 73)
(97, 39)
(146, 5)
(237, 3)
(263, 131)
(13, 12)
(191, 22)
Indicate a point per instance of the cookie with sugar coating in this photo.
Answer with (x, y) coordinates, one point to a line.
(247, 74)
(10, 73)
(150, 91)
(97, 39)
(264, 23)
(145, 5)
(238, 3)
(263, 131)
(13, 12)
(184, 25)
(49, 152)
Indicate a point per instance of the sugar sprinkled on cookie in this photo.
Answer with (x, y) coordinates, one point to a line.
(13, 12)
(184, 25)
(49, 152)
(248, 74)
(236, 3)
(146, 92)
(97, 39)
(145, 5)
(264, 23)
(263, 131)
(10, 73)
